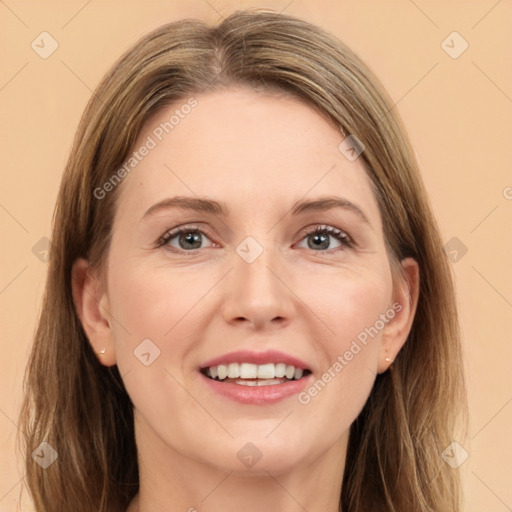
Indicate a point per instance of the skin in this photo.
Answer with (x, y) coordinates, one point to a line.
(258, 153)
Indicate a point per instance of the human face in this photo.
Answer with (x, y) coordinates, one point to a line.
(253, 278)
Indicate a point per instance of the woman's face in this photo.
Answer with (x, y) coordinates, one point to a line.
(253, 277)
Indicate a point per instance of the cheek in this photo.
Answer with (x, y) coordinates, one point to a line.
(144, 309)
(352, 307)
(158, 316)
(150, 318)
(349, 303)
(150, 303)
(359, 324)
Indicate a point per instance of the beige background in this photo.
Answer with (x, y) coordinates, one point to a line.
(458, 112)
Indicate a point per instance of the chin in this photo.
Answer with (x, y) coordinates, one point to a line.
(260, 456)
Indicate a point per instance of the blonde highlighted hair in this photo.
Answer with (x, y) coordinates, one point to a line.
(81, 407)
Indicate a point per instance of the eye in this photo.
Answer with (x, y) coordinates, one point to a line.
(319, 239)
(187, 238)
(190, 238)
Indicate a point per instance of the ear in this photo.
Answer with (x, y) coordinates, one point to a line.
(91, 304)
(405, 300)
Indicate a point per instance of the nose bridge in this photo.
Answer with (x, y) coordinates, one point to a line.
(256, 291)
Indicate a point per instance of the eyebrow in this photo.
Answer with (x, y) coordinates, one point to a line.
(219, 208)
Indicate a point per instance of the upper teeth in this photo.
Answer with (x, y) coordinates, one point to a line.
(254, 371)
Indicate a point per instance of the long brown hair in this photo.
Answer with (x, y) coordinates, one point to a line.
(81, 407)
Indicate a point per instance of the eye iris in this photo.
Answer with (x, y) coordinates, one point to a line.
(323, 240)
(191, 237)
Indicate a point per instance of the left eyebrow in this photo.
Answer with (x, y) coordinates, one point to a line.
(327, 203)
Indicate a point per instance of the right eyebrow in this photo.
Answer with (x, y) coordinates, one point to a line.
(190, 203)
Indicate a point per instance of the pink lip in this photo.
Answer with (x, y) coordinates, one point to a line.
(246, 356)
(258, 395)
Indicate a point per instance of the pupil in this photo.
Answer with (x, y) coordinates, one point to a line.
(323, 239)
(191, 238)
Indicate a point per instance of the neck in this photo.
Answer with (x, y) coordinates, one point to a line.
(173, 482)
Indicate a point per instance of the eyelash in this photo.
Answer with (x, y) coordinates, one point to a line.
(342, 237)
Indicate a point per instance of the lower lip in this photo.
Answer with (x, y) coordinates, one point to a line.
(258, 395)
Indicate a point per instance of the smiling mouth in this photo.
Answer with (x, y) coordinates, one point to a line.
(247, 374)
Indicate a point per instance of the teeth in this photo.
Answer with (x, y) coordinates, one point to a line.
(248, 371)
(280, 370)
(222, 371)
(267, 373)
(233, 371)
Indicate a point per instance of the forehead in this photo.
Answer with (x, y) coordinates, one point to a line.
(246, 148)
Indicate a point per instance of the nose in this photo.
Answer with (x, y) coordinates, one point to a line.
(258, 293)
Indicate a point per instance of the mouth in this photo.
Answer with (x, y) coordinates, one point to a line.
(255, 375)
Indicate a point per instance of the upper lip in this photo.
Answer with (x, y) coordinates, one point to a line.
(248, 356)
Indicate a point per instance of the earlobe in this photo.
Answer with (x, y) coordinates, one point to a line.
(406, 293)
(91, 304)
